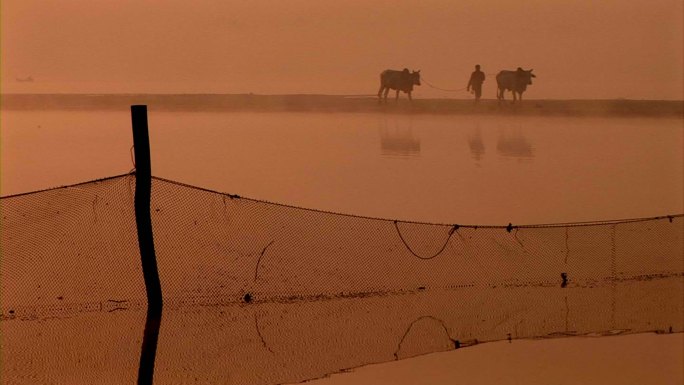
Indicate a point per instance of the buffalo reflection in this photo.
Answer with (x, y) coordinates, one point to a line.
(398, 141)
(514, 145)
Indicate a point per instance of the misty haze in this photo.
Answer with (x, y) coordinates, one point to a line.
(353, 192)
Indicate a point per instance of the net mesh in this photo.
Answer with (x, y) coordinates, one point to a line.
(326, 291)
(229, 247)
(77, 245)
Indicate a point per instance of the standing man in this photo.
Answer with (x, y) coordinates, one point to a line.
(476, 80)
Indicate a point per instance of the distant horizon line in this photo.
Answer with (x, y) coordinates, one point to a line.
(300, 94)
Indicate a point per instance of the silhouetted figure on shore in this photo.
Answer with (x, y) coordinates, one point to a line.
(398, 80)
(475, 82)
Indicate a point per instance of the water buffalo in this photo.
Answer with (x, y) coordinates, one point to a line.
(398, 80)
(515, 81)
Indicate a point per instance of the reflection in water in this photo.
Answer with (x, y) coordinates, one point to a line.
(148, 351)
(514, 145)
(227, 142)
(399, 140)
(424, 334)
(293, 341)
(477, 148)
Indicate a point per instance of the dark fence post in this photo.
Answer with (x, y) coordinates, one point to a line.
(143, 190)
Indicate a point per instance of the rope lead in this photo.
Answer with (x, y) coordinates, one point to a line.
(441, 89)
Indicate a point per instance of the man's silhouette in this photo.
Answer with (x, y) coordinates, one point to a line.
(476, 80)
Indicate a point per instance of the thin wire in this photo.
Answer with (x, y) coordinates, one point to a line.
(256, 270)
(451, 232)
(669, 217)
(561, 224)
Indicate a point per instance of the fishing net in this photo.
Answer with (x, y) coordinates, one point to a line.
(305, 292)
(77, 245)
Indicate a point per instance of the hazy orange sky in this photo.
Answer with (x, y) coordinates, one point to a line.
(578, 49)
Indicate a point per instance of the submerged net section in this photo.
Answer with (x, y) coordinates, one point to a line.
(77, 246)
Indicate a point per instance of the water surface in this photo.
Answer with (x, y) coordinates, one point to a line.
(468, 170)
(475, 170)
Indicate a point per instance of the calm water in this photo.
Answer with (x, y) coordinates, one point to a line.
(473, 170)
(469, 170)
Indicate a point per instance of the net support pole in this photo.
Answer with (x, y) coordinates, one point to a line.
(143, 190)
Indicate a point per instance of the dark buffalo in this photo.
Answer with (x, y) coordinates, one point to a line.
(398, 80)
(515, 81)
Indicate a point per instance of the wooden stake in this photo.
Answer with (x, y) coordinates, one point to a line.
(143, 190)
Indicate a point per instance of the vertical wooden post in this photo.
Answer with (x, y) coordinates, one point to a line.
(143, 190)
